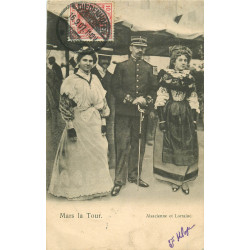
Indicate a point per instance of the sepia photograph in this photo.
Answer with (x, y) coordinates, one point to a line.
(125, 125)
(107, 140)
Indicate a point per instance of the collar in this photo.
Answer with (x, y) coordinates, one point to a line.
(84, 75)
(134, 59)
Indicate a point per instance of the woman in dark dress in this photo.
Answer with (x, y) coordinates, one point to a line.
(176, 144)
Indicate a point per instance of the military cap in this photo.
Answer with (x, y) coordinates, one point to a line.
(139, 41)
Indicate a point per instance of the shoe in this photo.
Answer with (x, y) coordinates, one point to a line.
(141, 182)
(185, 191)
(175, 188)
(149, 143)
(116, 190)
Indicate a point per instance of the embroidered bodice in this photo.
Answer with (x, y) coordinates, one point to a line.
(177, 86)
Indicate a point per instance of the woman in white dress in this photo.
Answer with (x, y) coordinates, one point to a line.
(81, 169)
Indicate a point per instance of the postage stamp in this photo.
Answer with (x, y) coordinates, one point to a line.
(91, 22)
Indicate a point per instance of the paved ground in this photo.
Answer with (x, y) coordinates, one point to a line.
(158, 190)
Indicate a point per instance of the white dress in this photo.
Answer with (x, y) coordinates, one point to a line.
(81, 168)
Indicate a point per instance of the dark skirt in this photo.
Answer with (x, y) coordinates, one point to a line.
(176, 150)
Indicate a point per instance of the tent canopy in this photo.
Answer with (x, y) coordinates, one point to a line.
(156, 24)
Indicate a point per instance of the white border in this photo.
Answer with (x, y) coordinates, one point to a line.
(227, 136)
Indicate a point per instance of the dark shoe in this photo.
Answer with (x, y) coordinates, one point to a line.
(116, 190)
(185, 191)
(141, 182)
(175, 188)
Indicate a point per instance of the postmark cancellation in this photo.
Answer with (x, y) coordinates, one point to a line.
(91, 21)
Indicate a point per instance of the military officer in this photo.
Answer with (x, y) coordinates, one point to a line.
(133, 85)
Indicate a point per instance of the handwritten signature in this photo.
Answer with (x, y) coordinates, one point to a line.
(180, 234)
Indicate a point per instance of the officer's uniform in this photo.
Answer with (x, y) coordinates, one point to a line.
(135, 78)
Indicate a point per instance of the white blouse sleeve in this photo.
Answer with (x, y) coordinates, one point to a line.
(162, 97)
(69, 88)
(193, 101)
(104, 110)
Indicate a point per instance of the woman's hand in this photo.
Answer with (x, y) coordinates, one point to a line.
(72, 134)
(152, 115)
(104, 130)
(195, 118)
(162, 126)
(195, 126)
(162, 122)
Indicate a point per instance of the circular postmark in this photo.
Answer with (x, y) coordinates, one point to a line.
(85, 24)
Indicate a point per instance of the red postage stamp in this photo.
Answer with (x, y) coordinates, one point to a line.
(91, 22)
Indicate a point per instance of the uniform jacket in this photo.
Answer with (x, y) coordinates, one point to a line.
(133, 77)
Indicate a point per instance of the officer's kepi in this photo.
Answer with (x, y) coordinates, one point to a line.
(139, 41)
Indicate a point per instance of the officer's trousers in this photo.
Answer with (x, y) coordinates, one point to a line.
(127, 147)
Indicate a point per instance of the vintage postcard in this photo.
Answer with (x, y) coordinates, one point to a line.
(125, 125)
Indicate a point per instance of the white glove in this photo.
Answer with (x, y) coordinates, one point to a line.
(141, 101)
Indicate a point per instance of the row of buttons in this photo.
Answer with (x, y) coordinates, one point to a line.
(137, 80)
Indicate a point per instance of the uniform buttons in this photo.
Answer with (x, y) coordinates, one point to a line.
(137, 64)
(137, 75)
(137, 92)
(137, 80)
(137, 86)
(137, 70)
